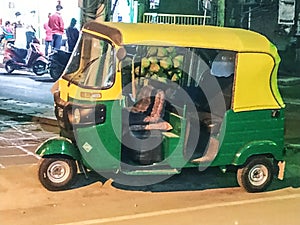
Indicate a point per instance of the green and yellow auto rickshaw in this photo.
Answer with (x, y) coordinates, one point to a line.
(152, 99)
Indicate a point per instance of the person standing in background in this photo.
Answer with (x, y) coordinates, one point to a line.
(48, 37)
(30, 29)
(30, 35)
(8, 32)
(56, 24)
(72, 35)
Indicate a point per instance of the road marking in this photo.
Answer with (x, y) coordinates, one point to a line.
(1, 166)
(28, 152)
(180, 210)
(14, 156)
(26, 145)
(23, 149)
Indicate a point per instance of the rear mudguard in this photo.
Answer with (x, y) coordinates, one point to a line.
(266, 147)
(58, 146)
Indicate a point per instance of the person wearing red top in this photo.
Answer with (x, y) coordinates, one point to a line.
(48, 37)
(56, 24)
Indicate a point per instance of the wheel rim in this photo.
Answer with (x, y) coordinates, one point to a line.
(39, 67)
(258, 175)
(58, 171)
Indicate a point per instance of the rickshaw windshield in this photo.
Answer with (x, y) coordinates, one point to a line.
(92, 64)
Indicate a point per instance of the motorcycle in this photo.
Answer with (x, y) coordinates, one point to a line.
(58, 60)
(31, 59)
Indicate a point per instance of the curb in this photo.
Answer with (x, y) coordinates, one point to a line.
(46, 121)
(42, 120)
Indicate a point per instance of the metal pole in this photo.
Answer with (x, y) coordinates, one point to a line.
(205, 11)
(221, 13)
(249, 18)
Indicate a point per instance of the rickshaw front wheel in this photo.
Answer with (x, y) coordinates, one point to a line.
(256, 175)
(57, 174)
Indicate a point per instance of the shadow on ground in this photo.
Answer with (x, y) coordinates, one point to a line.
(16, 74)
(188, 180)
(192, 179)
(42, 78)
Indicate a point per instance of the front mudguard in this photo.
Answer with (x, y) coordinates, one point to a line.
(58, 146)
(43, 59)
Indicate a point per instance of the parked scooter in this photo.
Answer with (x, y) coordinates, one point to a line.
(58, 60)
(31, 59)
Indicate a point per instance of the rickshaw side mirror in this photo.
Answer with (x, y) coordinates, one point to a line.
(121, 53)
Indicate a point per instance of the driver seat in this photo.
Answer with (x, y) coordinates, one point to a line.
(142, 138)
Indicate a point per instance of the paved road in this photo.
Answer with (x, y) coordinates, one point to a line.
(26, 93)
(189, 198)
(26, 87)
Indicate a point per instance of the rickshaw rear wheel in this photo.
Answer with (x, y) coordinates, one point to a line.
(256, 175)
(57, 174)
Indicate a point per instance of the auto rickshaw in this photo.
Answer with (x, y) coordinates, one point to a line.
(153, 99)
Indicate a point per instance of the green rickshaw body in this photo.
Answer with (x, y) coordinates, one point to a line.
(107, 157)
(242, 139)
(212, 100)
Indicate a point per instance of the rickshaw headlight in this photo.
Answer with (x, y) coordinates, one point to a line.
(60, 112)
(76, 116)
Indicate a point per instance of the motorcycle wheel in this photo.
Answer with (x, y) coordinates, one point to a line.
(9, 67)
(39, 68)
(55, 73)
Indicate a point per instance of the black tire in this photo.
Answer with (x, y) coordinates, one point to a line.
(57, 174)
(55, 72)
(39, 68)
(256, 175)
(9, 67)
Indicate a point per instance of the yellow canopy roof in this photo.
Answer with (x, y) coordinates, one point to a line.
(258, 60)
(182, 35)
